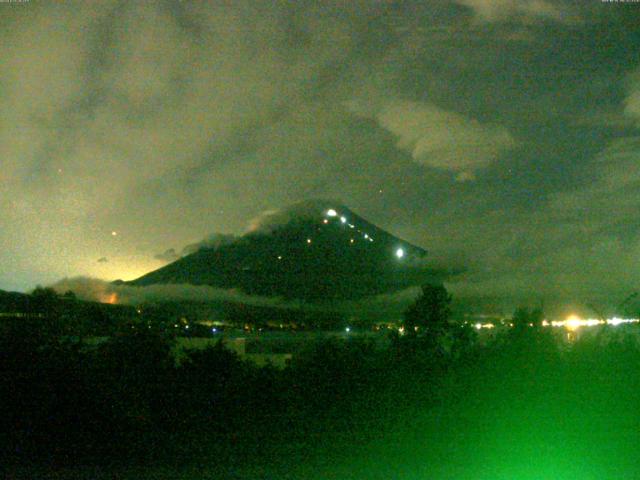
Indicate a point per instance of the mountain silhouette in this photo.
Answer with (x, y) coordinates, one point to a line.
(311, 250)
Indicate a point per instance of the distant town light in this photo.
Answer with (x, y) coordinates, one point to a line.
(325, 221)
(573, 322)
(479, 326)
(615, 321)
(366, 236)
(343, 219)
(400, 253)
(348, 329)
(308, 240)
(332, 213)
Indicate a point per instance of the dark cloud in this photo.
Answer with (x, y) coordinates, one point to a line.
(215, 240)
(168, 255)
(270, 220)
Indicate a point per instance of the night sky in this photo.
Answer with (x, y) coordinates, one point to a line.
(501, 135)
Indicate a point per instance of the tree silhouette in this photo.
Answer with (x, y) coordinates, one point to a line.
(430, 312)
(523, 318)
(70, 296)
(44, 299)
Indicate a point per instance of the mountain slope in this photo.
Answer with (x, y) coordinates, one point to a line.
(312, 250)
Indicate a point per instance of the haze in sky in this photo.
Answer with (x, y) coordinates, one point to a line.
(501, 135)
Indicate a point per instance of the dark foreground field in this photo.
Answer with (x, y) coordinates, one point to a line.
(522, 407)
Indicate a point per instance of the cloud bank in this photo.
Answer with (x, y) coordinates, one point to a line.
(524, 10)
(165, 121)
(96, 290)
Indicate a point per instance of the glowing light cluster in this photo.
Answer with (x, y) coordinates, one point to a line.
(480, 326)
(333, 213)
(571, 323)
(574, 322)
(400, 252)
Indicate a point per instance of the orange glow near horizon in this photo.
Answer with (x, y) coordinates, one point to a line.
(111, 298)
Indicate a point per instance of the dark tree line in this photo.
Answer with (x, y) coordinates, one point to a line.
(126, 399)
